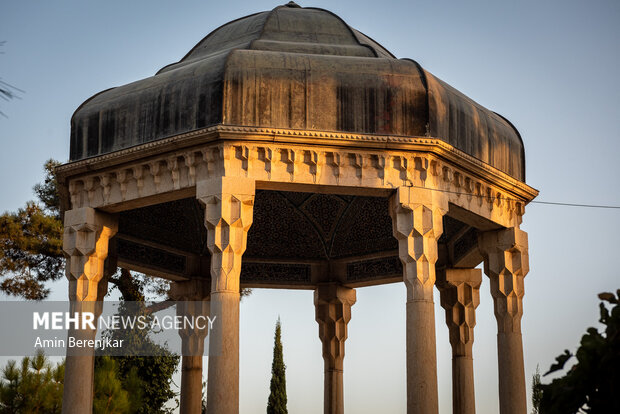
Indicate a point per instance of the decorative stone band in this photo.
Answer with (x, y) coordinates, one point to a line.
(85, 244)
(506, 262)
(120, 180)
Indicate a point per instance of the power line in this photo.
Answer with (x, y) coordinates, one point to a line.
(574, 204)
(553, 203)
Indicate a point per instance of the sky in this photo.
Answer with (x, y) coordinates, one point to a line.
(550, 67)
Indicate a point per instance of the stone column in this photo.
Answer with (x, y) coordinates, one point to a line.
(192, 298)
(460, 296)
(417, 224)
(506, 263)
(85, 244)
(332, 304)
(229, 204)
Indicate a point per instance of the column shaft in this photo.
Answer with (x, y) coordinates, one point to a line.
(417, 224)
(191, 384)
(512, 391)
(333, 312)
(463, 395)
(506, 263)
(228, 217)
(85, 244)
(422, 394)
(223, 378)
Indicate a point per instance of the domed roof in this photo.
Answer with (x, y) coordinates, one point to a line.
(296, 68)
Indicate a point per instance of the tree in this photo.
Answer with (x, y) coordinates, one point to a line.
(277, 397)
(37, 385)
(111, 392)
(592, 385)
(147, 377)
(31, 243)
(31, 246)
(34, 386)
(536, 392)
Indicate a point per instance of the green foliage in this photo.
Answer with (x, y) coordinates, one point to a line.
(277, 398)
(151, 376)
(47, 192)
(110, 393)
(592, 385)
(536, 392)
(31, 243)
(34, 386)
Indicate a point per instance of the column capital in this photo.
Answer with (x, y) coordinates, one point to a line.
(506, 262)
(229, 206)
(417, 223)
(460, 296)
(85, 244)
(333, 312)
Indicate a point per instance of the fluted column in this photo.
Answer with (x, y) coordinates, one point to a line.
(460, 296)
(506, 263)
(417, 224)
(192, 298)
(332, 304)
(85, 244)
(229, 205)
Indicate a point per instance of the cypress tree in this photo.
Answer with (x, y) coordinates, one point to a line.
(277, 397)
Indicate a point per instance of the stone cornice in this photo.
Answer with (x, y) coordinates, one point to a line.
(276, 159)
(302, 137)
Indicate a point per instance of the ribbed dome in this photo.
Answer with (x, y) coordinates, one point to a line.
(297, 68)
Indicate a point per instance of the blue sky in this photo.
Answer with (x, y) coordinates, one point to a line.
(551, 67)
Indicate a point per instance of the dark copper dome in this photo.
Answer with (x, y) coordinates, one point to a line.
(297, 68)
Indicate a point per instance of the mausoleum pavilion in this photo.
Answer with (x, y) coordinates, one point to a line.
(289, 150)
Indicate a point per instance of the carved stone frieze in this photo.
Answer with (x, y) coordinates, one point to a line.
(178, 224)
(275, 273)
(132, 252)
(420, 162)
(374, 269)
(465, 243)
